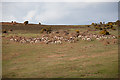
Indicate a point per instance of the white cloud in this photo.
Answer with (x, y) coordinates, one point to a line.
(51, 13)
(101, 0)
(60, 13)
(60, 0)
(30, 15)
(0, 12)
(8, 18)
(50, 16)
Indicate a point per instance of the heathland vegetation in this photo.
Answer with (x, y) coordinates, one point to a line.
(60, 51)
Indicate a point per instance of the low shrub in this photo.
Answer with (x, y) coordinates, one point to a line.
(100, 29)
(97, 27)
(104, 32)
(39, 23)
(26, 22)
(108, 27)
(42, 30)
(4, 31)
(10, 30)
(47, 30)
(77, 31)
(113, 28)
(92, 24)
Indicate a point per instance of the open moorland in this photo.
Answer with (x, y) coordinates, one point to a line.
(59, 51)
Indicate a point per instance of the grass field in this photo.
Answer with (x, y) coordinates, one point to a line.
(69, 60)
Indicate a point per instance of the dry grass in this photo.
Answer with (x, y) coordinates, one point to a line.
(69, 60)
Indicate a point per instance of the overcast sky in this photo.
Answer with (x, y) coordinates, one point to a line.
(60, 12)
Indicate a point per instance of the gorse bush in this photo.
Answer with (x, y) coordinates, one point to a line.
(47, 30)
(113, 28)
(110, 24)
(102, 26)
(97, 27)
(42, 30)
(104, 32)
(77, 31)
(92, 24)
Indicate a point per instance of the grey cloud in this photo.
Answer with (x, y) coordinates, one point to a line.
(61, 12)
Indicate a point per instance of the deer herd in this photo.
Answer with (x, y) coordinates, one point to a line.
(61, 37)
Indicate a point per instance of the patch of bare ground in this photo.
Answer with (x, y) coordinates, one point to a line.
(11, 56)
(56, 55)
(93, 56)
(109, 41)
